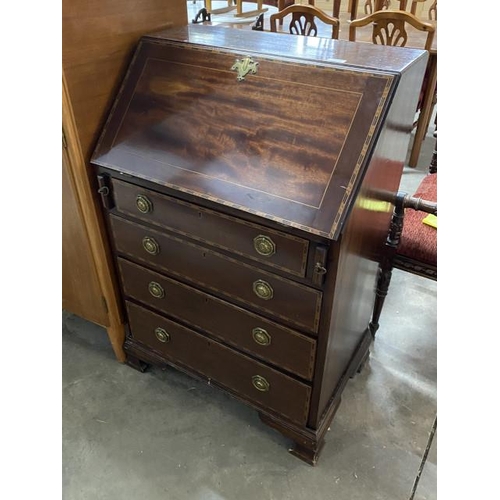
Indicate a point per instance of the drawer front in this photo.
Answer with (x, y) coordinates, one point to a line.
(249, 379)
(290, 302)
(272, 248)
(244, 330)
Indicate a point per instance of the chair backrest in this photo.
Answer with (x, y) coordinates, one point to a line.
(303, 20)
(432, 13)
(389, 27)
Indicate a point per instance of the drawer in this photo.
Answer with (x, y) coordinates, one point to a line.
(249, 379)
(290, 302)
(242, 329)
(272, 248)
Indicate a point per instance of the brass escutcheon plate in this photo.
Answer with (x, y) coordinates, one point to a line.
(244, 66)
(263, 290)
(143, 204)
(264, 245)
(150, 245)
(156, 290)
(260, 383)
(261, 336)
(162, 335)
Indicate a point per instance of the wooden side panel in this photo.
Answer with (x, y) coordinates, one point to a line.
(361, 243)
(99, 37)
(80, 285)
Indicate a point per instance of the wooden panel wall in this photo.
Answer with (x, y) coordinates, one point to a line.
(77, 262)
(98, 39)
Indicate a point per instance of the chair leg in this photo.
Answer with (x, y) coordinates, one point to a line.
(383, 282)
(434, 163)
(386, 264)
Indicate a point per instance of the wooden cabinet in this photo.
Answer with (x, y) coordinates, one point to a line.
(98, 40)
(249, 179)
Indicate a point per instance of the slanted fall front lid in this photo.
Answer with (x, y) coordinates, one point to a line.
(284, 138)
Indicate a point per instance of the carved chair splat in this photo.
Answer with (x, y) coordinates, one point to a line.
(390, 27)
(303, 21)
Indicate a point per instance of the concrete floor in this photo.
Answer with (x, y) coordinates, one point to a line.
(162, 435)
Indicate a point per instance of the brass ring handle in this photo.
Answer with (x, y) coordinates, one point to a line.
(143, 204)
(156, 290)
(264, 245)
(162, 335)
(150, 245)
(261, 336)
(263, 290)
(260, 383)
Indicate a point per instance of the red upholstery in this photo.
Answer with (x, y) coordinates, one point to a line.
(419, 241)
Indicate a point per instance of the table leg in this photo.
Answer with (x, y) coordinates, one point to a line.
(208, 6)
(240, 13)
(336, 8)
(425, 113)
(354, 9)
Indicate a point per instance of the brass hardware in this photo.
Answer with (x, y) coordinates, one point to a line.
(162, 335)
(104, 191)
(319, 268)
(150, 245)
(260, 383)
(261, 336)
(156, 290)
(263, 290)
(264, 245)
(143, 204)
(244, 66)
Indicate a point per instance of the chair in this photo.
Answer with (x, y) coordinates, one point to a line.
(281, 4)
(432, 13)
(390, 27)
(303, 20)
(258, 25)
(411, 245)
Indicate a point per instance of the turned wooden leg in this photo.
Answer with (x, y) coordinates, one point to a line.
(136, 363)
(383, 282)
(434, 162)
(386, 263)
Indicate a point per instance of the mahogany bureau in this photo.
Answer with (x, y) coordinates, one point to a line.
(248, 181)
